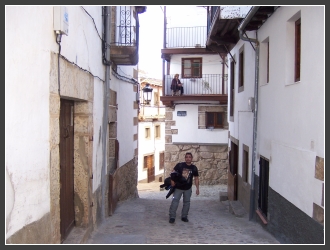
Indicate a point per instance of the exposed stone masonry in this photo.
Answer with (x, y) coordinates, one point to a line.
(211, 160)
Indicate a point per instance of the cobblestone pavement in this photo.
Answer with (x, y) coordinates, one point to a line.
(144, 220)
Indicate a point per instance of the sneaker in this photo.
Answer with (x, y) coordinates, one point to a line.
(171, 220)
(185, 219)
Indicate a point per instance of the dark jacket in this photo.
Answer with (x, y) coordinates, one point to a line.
(174, 84)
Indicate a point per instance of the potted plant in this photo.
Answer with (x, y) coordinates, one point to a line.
(206, 85)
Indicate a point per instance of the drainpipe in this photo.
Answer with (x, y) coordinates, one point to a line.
(106, 86)
(255, 115)
(164, 46)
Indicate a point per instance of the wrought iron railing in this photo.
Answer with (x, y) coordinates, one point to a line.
(186, 37)
(126, 30)
(208, 84)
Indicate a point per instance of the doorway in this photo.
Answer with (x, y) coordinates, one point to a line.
(67, 215)
(150, 166)
(232, 173)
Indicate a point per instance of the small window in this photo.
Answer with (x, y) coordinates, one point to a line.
(232, 88)
(191, 68)
(267, 62)
(214, 119)
(297, 49)
(157, 131)
(245, 166)
(147, 133)
(161, 160)
(263, 186)
(241, 70)
(264, 62)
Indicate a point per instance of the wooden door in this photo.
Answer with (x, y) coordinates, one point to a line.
(66, 168)
(112, 196)
(150, 168)
(232, 173)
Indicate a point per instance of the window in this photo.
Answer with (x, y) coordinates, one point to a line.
(232, 88)
(241, 70)
(263, 186)
(264, 62)
(147, 133)
(245, 166)
(233, 157)
(157, 131)
(267, 44)
(210, 117)
(161, 160)
(297, 50)
(191, 68)
(214, 119)
(293, 50)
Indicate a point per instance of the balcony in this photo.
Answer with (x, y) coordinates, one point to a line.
(124, 46)
(185, 40)
(211, 87)
(186, 37)
(223, 22)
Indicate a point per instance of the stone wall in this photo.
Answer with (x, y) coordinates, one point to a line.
(127, 176)
(76, 85)
(211, 161)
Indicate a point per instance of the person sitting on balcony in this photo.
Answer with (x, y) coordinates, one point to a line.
(176, 86)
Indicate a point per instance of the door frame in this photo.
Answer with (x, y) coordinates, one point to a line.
(66, 148)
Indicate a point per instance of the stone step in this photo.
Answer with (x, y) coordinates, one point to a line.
(236, 208)
(223, 196)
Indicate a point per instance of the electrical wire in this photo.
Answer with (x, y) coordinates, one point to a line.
(58, 41)
(63, 57)
(124, 78)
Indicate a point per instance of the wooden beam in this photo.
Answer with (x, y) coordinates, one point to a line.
(173, 51)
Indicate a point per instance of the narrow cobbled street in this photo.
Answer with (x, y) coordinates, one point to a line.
(144, 220)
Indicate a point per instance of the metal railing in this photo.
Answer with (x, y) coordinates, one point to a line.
(208, 84)
(127, 28)
(186, 37)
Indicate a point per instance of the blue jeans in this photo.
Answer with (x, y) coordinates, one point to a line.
(176, 200)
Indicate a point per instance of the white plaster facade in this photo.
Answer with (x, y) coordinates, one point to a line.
(32, 115)
(189, 129)
(150, 116)
(188, 125)
(290, 114)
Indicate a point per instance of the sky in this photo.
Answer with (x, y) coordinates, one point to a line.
(151, 32)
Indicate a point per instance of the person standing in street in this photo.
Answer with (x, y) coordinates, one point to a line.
(189, 173)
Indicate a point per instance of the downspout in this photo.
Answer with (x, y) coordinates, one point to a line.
(223, 76)
(106, 86)
(241, 28)
(164, 46)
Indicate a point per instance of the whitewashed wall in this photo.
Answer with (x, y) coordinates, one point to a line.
(150, 146)
(242, 127)
(290, 115)
(188, 127)
(30, 40)
(79, 47)
(125, 129)
(28, 45)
